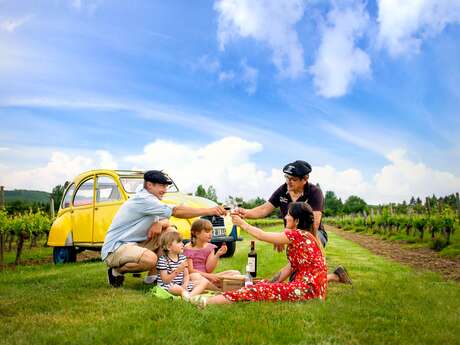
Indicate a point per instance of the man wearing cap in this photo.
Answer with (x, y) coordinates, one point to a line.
(127, 240)
(297, 189)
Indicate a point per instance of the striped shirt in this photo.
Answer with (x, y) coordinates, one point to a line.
(167, 264)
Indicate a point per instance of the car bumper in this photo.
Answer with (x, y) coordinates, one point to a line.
(225, 239)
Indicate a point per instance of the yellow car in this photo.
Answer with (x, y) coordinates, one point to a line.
(91, 201)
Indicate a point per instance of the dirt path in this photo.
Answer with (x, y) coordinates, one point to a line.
(419, 258)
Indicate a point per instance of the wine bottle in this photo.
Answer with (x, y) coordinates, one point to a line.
(252, 260)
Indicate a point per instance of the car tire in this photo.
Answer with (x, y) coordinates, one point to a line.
(64, 255)
(231, 247)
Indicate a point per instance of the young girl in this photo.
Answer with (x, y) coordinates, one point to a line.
(172, 267)
(153, 243)
(305, 254)
(201, 256)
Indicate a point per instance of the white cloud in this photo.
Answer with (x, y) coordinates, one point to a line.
(228, 165)
(366, 138)
(4, 149)
(249, 77)
(245, 75)
(269, 21)
(343, 183)
(226, 75)
(399, 180)
(338, 61)
(87, 5)
(404, 178)
(10, 25)
(404, 24)
(61, 167)
(208, 64)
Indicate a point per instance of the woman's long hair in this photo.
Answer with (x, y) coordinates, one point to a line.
(303, 214)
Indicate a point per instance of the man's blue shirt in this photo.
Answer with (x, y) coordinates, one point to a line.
(133, 220)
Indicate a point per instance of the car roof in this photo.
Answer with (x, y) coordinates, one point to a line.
(121, 173)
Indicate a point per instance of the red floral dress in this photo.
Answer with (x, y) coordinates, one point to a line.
(310, 280)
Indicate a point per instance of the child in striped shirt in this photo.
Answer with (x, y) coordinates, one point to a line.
(173, 269)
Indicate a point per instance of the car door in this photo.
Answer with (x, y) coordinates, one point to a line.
(108, 201)
(83, 212)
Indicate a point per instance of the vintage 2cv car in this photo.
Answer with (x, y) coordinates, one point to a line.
(90, 202)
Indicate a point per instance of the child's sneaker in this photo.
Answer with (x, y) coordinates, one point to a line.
(186, 296)
(151, 280)
(199, 301)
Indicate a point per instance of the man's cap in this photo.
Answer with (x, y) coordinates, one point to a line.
(157, 176)
(297, 168)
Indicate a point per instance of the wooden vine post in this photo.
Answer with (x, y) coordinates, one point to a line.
(2, 197)
(2, 231)
(458, 204)
(428, 209)
(52, 208)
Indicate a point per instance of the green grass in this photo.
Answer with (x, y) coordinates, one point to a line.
(35, 253)
(388, 304)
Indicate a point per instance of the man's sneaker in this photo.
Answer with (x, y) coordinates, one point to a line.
(151, 280)
(115, 281)
(342, 273)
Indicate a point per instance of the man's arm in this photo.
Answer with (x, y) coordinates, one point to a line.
(261, 211)
(183, 211)
(316, 219)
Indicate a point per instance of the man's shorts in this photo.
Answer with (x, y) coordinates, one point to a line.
(322, 237)
(128, 253)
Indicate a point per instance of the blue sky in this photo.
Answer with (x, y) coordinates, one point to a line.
(227, 92)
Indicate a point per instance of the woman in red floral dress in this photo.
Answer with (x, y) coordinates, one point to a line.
(305, 254)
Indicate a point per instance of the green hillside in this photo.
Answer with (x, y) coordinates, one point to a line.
(27, 196)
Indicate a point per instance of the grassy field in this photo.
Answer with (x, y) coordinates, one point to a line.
(388, 304)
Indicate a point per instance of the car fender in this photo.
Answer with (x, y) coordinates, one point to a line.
(61, 231)
(182, 225)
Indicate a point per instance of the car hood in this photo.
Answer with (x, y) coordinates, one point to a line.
(179, 198)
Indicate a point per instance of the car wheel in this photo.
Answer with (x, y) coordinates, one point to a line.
(231, 246)
(63, 255)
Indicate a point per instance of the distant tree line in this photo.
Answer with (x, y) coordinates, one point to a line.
(26, 201)
(23, 201)
(354, 204)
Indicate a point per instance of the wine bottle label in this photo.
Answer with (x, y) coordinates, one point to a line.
(252, 264)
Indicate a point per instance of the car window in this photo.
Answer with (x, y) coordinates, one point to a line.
(107, 189)
(68, 196)
(131, 184)
(84, 194)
